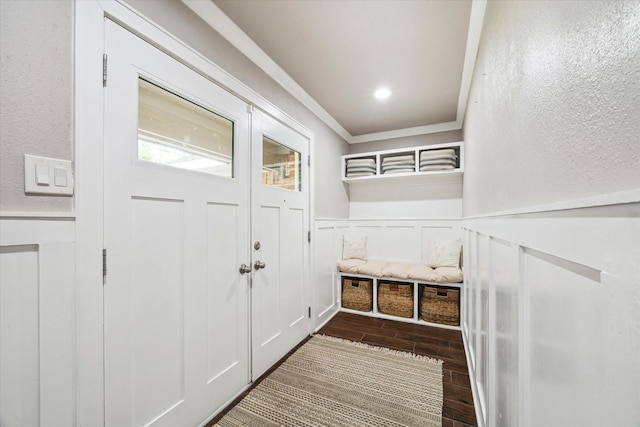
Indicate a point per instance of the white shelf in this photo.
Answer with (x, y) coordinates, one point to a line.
(445, 175)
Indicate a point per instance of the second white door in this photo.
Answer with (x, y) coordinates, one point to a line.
(280, 223)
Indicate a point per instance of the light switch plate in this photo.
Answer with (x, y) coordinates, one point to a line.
(60, 176)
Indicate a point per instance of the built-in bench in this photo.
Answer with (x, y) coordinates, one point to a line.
(411, 292)
(382, 256)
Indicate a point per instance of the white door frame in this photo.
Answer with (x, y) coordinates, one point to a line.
(88, 137)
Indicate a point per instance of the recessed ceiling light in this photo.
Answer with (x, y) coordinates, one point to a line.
(382, 93)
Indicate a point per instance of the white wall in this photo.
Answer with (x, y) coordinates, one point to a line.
(551, 291)
(553, 108)
(36, 102)
(406, 199)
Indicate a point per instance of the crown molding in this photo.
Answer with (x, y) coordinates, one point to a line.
(476, 19)
(400, 133)
(220, 22)
(212, 15)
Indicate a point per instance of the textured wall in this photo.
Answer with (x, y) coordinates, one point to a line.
(554, 107)
(36, 95)
(331, 196)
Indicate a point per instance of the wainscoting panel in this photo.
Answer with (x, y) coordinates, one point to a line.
(551, 316)
(37, 380)
(483, 332)
(19, 336)
(374, 232)
(503, 370)
(392, 240)
(327, 244)
(562, 298)
(469, 291)
(403, 240)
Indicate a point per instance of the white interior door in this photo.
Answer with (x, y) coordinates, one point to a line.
(176, 231)
(280, 222)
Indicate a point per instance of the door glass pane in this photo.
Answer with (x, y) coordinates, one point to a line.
(280, 165)
(176, 132)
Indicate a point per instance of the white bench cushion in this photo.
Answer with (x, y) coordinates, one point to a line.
(401, 270)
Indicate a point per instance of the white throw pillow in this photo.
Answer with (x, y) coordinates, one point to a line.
(444, 253)
(354, 247)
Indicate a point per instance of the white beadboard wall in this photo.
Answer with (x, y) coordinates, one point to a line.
(551, 319)
(37, 304)
(392, 240)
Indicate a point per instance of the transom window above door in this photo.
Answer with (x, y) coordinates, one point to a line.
(177, 132)
(280, 165)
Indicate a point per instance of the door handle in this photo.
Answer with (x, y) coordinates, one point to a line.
(244, 268)
(258, 265)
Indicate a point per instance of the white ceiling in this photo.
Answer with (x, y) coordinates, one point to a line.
(333, 54)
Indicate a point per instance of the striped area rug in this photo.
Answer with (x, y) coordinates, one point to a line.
(332, 382)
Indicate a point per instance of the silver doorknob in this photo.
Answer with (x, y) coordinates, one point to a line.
(244, 268)
(258, 265)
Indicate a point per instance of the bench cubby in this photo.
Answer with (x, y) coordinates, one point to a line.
(417, 289)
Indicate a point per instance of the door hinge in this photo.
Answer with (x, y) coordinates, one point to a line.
(104, 263)
(309, 160)
(309, 236)
(309, 312)
(104, 70)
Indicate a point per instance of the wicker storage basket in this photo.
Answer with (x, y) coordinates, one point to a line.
(440, 305)
(395, 299)
(357, 294)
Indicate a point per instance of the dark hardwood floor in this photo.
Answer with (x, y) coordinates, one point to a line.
(444, 344)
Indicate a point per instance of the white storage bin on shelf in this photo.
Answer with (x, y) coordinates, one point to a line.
(428, 162)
